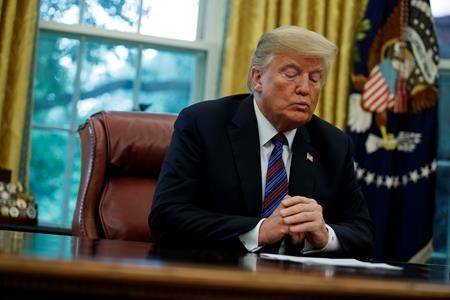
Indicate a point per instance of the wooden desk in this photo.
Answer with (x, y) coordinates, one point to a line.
(34, 265)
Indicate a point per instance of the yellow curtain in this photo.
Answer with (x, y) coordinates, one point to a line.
(17, 31)
(336, 19)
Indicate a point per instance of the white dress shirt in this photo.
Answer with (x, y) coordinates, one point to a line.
(266, 132)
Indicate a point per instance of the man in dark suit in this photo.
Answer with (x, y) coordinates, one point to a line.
(259, 171)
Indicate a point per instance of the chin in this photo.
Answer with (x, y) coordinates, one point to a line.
(295, 122)
(301, 118)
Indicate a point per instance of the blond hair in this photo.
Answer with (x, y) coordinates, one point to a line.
(291, 39)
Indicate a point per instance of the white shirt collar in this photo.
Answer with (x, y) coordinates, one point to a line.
(266, 130)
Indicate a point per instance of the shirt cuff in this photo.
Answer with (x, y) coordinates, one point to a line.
(250, 238)
(332, 245)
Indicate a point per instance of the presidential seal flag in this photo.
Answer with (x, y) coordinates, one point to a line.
(392, 122)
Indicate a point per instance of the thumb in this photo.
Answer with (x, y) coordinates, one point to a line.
(297, 237)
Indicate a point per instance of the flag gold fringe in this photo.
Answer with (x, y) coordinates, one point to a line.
(423, 255)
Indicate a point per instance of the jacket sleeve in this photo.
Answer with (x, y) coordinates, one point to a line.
(177, 214)
(351, 222)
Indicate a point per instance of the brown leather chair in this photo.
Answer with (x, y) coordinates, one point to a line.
(121, 153)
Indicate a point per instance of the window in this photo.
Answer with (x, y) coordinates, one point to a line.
(92, 55)
(441, 12)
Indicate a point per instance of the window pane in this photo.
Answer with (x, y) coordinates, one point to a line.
(444, 115)
(55, 72)
(441, 12)
(441, 231)
(122, 15)
(176, 19)
(48, 162)
(166, 80)
(63, 11)
(107, 79)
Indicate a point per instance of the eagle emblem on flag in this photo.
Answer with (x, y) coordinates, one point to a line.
(403, 63)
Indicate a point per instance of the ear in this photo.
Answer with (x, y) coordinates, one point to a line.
(256, 80)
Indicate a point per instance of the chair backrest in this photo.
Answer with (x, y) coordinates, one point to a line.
(121, 153)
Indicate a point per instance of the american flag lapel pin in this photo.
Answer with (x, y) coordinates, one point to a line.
(309, 157)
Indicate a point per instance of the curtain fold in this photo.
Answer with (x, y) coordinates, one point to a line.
(336, 19)
(17, 30)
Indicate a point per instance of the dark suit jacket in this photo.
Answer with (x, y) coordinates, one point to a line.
(209, 189)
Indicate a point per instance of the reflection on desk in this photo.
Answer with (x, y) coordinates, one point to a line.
(53, 266)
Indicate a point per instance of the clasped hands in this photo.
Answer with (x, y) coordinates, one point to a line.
(300, 218)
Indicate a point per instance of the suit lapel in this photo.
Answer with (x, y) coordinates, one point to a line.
(244, 139)
(303, 165)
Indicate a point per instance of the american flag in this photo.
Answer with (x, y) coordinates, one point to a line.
(376, 94)
(399, 56)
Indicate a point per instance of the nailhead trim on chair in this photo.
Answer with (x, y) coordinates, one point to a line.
(91, 157)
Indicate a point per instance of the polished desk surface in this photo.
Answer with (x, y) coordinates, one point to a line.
(34, 265)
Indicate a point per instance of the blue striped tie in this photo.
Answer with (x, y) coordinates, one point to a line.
(276, 178)
(276, 183)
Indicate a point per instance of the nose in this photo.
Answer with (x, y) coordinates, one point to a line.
(302, 85)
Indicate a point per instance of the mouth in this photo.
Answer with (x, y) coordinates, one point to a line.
(301, 106)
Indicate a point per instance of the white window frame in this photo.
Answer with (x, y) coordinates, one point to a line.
(210, 37)
(210, 33)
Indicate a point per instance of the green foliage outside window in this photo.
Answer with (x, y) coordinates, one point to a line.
(107, 81)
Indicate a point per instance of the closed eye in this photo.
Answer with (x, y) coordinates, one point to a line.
(315, 77)
(290, 74)
(290, 71)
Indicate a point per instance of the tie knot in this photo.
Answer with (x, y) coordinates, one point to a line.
(279, 139)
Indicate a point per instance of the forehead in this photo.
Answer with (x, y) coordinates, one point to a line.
(297, 60)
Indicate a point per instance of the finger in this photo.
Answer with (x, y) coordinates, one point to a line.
(276, 218)
(295, 238)
(303, 217)
(284, 229)
(280, 206)
(270, 233)
(299, 208)
(305, 227)
(278, 209)
(285, 197)
(296, 200)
